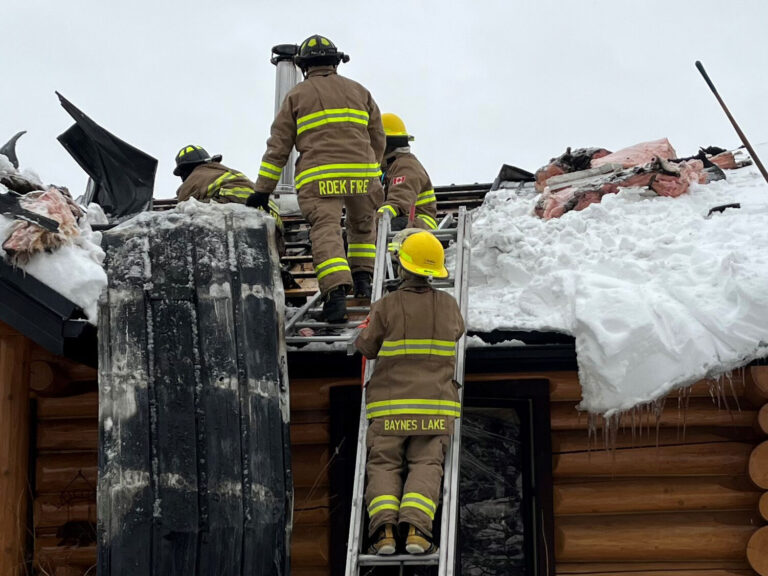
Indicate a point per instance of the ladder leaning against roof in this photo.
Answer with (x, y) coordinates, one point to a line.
(446, 555)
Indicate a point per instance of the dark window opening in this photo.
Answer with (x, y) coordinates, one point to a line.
(505, 489)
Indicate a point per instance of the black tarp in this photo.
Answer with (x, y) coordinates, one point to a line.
(124, 175)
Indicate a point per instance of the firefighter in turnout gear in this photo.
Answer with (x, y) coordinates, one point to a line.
(406, 183)
(411, 399)
(335, 125)
(205, 179)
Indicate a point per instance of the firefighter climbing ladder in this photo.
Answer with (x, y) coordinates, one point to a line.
(305, 327)
(444, 559)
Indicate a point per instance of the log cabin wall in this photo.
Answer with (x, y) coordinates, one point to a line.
(66, 466)
(687, 505)
(14, 449)
(311, 453)
(676, 498)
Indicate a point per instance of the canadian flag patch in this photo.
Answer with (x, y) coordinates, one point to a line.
(398, 180)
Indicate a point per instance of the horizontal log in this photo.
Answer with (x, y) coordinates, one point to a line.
(657, 568)
(311, 507)
(310, 466)
(311, 433)
(633, 496)
(672, 570)
(658, 537)
(763, 506)
(563, 384)
(700, 412)
(52, 510)
(314, 393)
(309, 547)
(761, 426)
(579, 441)
(49, 555)
(80, 406)
(730, 459)
(310, 417)
(73, 473)
(757, 385)
(81, 434)
(57, 379)
(758, 465)
(757, 551)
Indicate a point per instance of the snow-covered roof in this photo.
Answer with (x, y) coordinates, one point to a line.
(656, 294)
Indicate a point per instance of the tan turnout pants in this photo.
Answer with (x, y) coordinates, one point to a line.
(332, 266)
(388, 498)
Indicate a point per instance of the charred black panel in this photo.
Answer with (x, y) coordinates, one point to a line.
(194, 454)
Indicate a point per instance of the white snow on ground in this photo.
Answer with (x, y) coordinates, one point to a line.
(75, 270)
(656, 295)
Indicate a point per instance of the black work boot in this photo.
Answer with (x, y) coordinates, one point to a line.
(335, 305)
(362, 280)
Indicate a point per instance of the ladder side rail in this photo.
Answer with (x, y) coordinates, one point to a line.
(301, 312)
(448, 540)
(357, 517)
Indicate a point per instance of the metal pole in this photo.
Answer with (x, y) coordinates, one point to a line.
(287, 76)
(743, 138)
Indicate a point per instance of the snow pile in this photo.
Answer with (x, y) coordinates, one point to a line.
(74, 270)
(656, 295)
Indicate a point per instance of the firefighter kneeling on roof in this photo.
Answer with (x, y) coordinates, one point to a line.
(206, 179)
(411, 399)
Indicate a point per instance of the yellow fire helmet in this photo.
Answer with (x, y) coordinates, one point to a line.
(422, 254)
(394, 125)
(394, 246)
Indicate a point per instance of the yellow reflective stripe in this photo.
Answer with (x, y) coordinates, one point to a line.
(416, 500)
(270, 171)
(386, 502)
(332, 111)
(426, 197)
(388, 207)
(361, 251)
(413, 406)
(330, 266)
(411, 401)
(413, 411)
(214, 186)
(417, 346)
(429, 220)
(390, 343)
(333, 119)
(239, 192)
(372, 170)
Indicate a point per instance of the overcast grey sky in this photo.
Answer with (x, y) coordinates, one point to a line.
(478, 83)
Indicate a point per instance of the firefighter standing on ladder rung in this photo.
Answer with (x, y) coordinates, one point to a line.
(411, 398)
(335, 125)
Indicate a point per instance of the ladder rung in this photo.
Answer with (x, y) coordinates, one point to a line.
(307, 339)
(314, 325)
(399, 560)
(358, 309)
(444, 234)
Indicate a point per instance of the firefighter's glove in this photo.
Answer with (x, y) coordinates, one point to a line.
(258, 200)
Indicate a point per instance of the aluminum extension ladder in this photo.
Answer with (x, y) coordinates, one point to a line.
(444, 559)
(308, 316)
